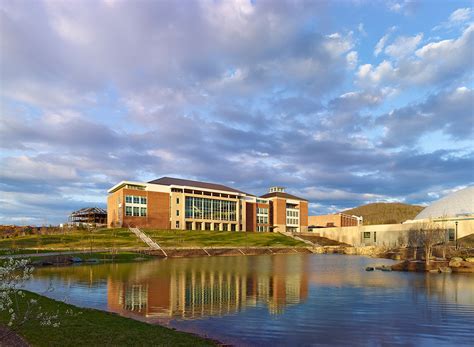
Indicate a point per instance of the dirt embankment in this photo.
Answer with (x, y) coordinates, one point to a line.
(203, 252)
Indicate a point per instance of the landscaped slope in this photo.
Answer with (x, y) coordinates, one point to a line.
(123, 239)
(385, 213)
(88, 327)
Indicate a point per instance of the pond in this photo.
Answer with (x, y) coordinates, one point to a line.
(287, 300)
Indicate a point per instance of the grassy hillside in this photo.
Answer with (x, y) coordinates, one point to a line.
(385, 213)
(122, 239)
(89, 327)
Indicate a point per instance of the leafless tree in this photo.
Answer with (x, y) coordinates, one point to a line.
(427, 235)
(413, 240)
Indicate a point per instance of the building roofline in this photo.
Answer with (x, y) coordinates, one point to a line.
(281, 195)
(179, 182)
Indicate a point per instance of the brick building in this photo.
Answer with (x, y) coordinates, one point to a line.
(334, 220)
(173, 203)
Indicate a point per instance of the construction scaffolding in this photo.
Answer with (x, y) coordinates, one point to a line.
(88, 216)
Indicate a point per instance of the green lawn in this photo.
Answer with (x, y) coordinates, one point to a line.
(87, 327)
(183, 238)
(123, 239)
(75, 240)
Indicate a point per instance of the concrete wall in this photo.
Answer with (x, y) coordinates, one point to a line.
(386, 234)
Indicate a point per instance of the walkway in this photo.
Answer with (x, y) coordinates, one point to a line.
(145, 238)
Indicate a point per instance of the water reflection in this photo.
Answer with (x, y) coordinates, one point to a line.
(193, 288)
(278, 300)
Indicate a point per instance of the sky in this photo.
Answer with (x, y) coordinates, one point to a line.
(341, 102)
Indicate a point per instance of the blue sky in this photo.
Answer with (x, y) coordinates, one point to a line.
(342, 102)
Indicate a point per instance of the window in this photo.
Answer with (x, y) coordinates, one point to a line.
(451, 234)
(128, 199)
(224, 227)
(189, 207)
(177, 224)
(177, 212)
(136, 199)
(128, 210)
(203, 208)
(143, 211)
(143, 200)
(177, 201)
(366, 234)
(136, 211)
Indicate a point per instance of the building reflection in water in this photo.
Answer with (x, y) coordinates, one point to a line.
(194, 288)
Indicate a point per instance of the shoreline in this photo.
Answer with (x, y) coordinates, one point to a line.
(90, 319)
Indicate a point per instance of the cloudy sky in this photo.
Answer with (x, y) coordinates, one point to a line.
(342, 102)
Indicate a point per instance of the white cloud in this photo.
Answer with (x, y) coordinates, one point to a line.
(403, 6)
(458, 18)
(434, 62)
(372, 76)
(352, 59)
(23, 167)
(403, 46)
(461, 15)
(337, 44)
(379, 47)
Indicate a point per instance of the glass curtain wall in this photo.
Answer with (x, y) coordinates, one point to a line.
(202, 208)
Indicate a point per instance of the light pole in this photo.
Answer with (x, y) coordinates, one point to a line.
(456, 234)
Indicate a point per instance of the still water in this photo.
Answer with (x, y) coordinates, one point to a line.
(291, 300)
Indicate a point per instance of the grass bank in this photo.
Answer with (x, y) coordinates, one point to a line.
(121, 239)
(88, 327)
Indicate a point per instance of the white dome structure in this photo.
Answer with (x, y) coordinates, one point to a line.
(459, 203)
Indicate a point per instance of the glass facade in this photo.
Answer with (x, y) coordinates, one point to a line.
(202, 208)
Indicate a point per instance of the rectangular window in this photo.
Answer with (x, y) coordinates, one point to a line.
(177, 201)
(143, 200)
(177, 224)
(451, 234)
(188, 207)
(143, 211)
(128, 210)
(128, 198)
(366, 234)
(197, 208)
(136, 199)
(177, 212)
(136, 211)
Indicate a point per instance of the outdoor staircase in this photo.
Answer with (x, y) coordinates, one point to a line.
(145, 238)
(308, 242)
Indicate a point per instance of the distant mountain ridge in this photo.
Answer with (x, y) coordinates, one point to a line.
(385, 213)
